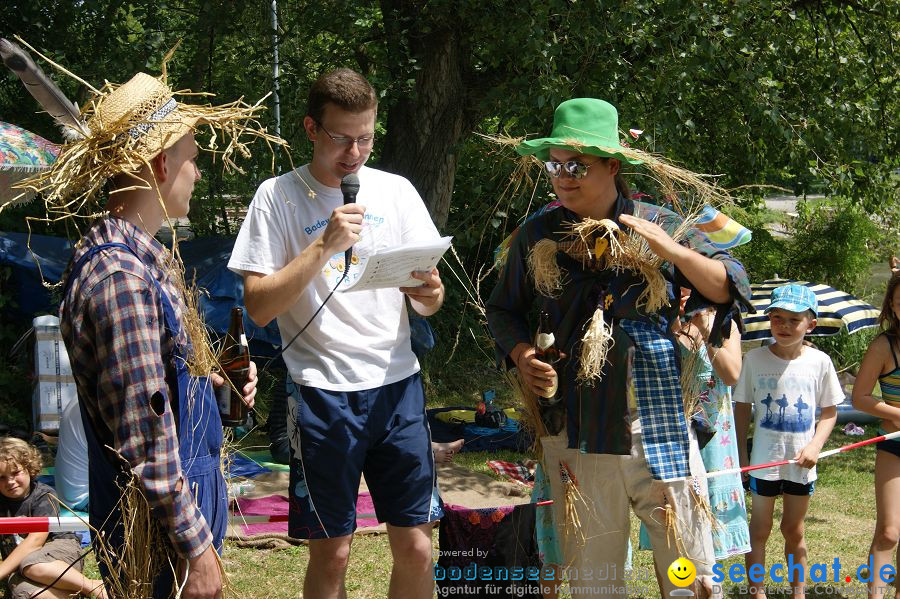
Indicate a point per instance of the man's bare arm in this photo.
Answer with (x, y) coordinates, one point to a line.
(268, 296)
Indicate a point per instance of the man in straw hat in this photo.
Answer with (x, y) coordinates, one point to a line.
(614, 273)
(356, 402)
(153, 428)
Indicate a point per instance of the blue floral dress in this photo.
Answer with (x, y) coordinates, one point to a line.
(731, 535)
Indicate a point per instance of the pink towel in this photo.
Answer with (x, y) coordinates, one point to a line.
(277, 505)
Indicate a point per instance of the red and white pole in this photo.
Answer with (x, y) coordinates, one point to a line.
(21, 526)
(824, 454)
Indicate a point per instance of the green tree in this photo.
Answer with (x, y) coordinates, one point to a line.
(794, 93)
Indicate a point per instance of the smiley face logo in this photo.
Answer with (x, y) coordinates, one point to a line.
(682, 572)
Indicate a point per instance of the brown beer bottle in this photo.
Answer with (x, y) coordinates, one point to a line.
(235, 363)
(546, 350)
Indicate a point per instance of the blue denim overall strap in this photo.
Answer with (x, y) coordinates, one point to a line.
(199, 438)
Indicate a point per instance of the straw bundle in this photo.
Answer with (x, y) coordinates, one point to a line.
(523, 175)
(692, 385)
(670, 517)
(702, 507)
(547, 275)
(144, 554)
(630, 251)
(202, 359)
(702, 514)
(597, 241)
(595, 345)
(573, 494)
(532, 420)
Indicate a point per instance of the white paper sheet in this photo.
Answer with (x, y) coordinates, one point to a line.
(392, 267)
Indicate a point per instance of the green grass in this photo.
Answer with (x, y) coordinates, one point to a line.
(840, 524)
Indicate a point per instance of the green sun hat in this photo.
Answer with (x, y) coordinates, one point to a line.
(584, 125)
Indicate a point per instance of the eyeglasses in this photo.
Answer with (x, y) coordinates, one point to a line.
(365, 142)
(573, 168)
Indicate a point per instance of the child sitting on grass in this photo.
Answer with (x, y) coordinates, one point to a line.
(785, 382)
(39, 559)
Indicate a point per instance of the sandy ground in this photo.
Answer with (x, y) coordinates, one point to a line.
(458, 486)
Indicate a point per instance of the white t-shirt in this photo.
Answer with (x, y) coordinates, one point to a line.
(785, 394)
(71, 464)
(360, 340)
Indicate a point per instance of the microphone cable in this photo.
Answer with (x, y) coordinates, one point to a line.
(349, 189)
(308, 322)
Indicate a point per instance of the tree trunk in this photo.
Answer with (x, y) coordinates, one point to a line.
(423, 129)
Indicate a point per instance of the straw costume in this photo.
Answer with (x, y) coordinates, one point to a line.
(135, 339)
(611, 303)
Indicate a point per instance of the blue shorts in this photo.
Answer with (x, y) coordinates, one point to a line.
(774, 488)
(382, 433)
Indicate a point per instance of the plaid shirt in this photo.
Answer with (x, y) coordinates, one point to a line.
(113, 327)
(663, 425)
(646, 364)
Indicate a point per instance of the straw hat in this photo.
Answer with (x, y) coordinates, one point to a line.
(129, 124)
(591, 126)
(584, 125)
(145, 106)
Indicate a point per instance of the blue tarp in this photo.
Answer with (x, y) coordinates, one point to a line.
(242, 466)
(205, 258)
(30, 297)
(478, 438)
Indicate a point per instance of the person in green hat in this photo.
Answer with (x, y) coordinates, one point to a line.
(625, 441)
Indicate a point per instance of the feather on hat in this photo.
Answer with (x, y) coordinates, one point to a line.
(129, 124)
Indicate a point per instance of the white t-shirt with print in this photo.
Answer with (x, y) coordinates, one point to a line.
(785, 394)
(360, 340)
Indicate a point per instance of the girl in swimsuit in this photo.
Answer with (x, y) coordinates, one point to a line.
(881, 364)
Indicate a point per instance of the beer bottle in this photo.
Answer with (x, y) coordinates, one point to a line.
(235, 363)
(546, 350)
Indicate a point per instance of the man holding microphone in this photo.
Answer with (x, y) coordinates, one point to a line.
(356, 402)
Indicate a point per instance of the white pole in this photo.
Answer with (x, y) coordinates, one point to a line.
(275, 70)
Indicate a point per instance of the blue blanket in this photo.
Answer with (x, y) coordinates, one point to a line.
(478, 438)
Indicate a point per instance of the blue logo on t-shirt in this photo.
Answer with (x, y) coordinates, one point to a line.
(777, 417)
(321, 223)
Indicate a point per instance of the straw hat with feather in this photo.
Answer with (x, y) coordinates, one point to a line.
(125, 127)
(144, 105)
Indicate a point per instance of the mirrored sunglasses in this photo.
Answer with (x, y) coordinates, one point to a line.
(573, 168)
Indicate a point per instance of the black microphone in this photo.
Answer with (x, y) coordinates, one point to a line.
(349, 187)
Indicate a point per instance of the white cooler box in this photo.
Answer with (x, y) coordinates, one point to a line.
(55, 384)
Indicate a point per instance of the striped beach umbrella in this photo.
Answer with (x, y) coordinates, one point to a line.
(837, 310)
